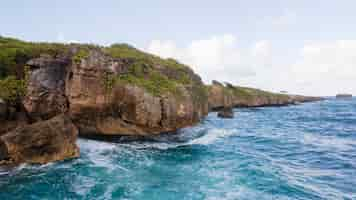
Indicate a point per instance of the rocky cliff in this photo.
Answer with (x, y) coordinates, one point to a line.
(116, 90)
(109, 95)
(51, 92)
(222, 96)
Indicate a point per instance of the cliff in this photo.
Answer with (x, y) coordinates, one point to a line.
(50, 92)
(230, 96)
(344, 96)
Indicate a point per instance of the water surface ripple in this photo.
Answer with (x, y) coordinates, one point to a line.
(296, 152)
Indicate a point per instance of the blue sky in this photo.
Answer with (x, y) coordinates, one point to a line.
(276, 45)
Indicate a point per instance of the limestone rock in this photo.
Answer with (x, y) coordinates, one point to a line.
(80, 88)
(41, 142)
(219, 96)
(125, 109)
(45, 92)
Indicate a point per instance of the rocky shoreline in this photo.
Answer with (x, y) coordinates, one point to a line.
(50, 93)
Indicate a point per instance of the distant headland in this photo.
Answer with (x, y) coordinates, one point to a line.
(344, 96)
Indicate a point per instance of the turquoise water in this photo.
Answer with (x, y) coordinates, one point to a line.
(297, 152)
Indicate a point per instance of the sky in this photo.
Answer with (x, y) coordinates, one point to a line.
(300, 46)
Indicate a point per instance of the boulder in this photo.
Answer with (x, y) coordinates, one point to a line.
(226, 112)
(41, 142)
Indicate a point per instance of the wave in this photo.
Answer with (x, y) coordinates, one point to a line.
(212, 136)
(332, 143)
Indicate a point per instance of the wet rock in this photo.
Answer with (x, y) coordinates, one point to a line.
(226, 112)
(41, 142)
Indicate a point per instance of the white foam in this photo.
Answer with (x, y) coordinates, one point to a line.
(212, 136)
(328, 142)
(97, 152)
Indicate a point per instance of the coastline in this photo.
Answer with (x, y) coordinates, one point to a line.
(98, 91)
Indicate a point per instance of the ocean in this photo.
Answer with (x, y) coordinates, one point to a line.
(305, 151)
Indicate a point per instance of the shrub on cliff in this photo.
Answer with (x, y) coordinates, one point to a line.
(15, 53)
(12, 89)
(156, 75)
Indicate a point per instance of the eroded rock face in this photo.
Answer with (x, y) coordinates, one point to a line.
(60, 85)
(303, 99)
(124, 109)
(259, 101)
(219, 97)
(41, 142)
(11, 117)
(223, 96)
(46, 87)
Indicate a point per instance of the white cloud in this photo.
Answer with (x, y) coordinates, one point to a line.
(321, 68)
(164, 49)
(327, 67)
(217, 57)
(261, 52)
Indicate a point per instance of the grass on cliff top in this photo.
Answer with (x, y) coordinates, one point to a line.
(126, 51)
(139, 58)
(156, 75)
(249, 93)
(155, 83)
(15, 53)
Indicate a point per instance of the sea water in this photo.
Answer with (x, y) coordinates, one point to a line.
(298, 152)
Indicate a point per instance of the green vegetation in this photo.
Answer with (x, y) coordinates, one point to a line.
(109, 81)
(250, 93)
(155, 83)
(11, 89)
(15, 53)
(83, 53)
(139, 58)
(156, 75)
(13, 56)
